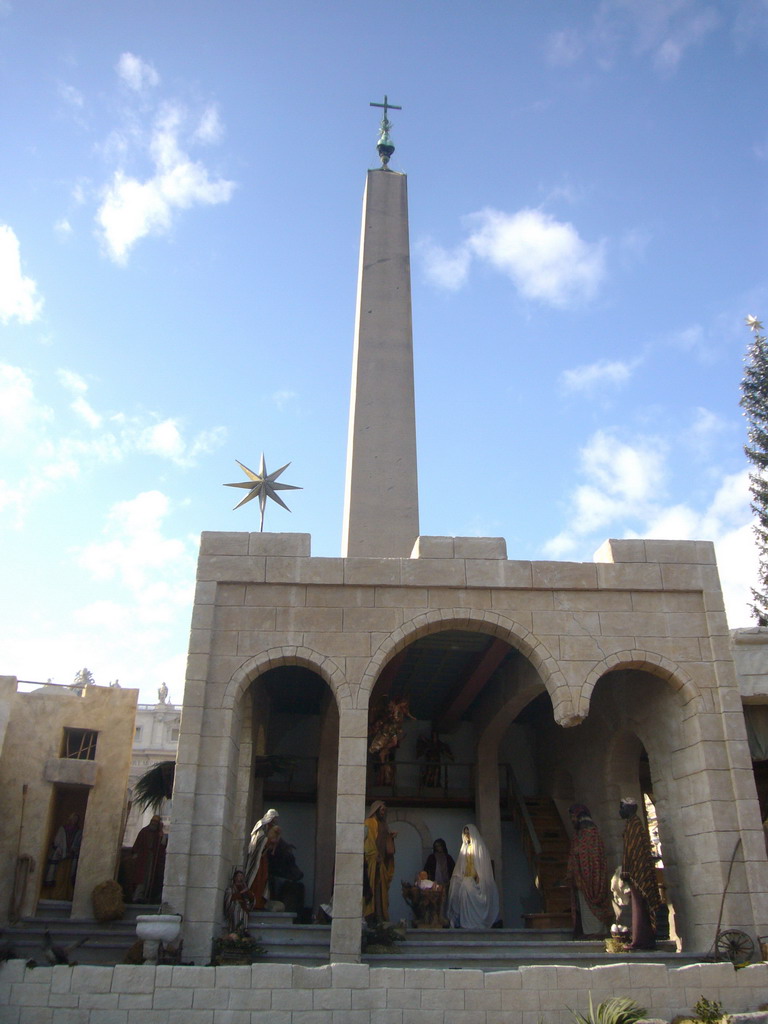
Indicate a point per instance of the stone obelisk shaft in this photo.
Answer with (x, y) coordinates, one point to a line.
(381, 505)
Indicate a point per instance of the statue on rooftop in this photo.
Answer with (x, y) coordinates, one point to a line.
(83, 679)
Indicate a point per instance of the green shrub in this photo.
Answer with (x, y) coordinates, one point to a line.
(709, 1011)
(619, 1010)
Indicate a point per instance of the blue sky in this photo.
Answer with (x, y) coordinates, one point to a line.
(179, 228)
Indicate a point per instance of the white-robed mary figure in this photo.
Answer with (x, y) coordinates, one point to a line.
(473, 899)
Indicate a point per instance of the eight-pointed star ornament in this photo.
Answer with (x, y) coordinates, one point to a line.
(263, 485)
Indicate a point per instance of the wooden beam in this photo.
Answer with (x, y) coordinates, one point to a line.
(472, 683)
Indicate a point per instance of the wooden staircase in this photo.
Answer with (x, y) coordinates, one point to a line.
(546, 845)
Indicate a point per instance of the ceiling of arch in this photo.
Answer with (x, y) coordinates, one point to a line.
(442, 674)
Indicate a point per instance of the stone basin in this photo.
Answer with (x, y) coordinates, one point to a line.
(153, 929)
(158, 927)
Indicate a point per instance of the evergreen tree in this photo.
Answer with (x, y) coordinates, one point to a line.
(754, 402)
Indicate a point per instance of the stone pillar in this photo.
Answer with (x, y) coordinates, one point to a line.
(381, 507)
(327, 772)
(487, 805)
(350, 830)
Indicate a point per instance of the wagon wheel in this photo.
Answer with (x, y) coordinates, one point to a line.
(735, 946)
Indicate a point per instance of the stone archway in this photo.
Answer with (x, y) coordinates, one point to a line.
(288, 759)
(490, 623)
(644, 735)
(470, 708)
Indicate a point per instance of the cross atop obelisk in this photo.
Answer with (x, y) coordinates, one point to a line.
(381, 504)
(385, 145)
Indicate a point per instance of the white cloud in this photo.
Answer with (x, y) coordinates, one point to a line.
(623, 496)
(45, 449)
(166, 440)
(86, 412)
(131, 209)
(737, 563)
(134, 550)
(162, 439)
(594, 375)
(136, 73)
(703, 343)
(624, 482)
(443, 267)
(18, 294)
(20, 410)
(632, 472)
(634, 243)
(77, 386)
(209, 128)
(661, 30)
(688, 338)
(133, 205)
(727, 522)
(564, 47)
(706, 426)
(545, 258)
(142, 582)
(71, 96)
(284, 398)
(679, 37)
(73, 382)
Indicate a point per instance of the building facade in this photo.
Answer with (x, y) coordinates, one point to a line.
(64, 761)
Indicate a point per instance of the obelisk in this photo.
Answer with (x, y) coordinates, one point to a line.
(381, 504)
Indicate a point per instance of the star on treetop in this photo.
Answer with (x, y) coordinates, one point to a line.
(753, 324)
(262, 485)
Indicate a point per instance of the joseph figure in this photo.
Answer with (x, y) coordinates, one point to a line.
(379, 850)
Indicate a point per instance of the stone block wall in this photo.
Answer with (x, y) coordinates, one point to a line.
(358, 994)
(648, 607)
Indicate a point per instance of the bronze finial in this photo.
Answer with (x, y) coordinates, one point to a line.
(385, 145)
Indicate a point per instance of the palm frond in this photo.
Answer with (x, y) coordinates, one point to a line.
(155, 785)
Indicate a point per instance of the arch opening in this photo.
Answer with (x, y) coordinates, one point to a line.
(288, 760)
(454, 739)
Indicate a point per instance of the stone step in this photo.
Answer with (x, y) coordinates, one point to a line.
(107, 946)
(497, 936)
(305, 934)
(108, 942)
(310, 956)
(491, 947)
(494, 950)
(512, 960)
